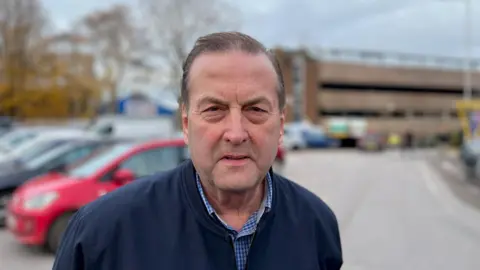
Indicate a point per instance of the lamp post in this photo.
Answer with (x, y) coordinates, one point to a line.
(467, 72)
(467, 58)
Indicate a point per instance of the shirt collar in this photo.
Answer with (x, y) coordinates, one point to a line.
(267, 198)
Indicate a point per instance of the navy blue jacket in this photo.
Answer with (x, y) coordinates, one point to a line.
(160, 222)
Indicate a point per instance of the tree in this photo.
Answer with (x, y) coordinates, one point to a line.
(22, 26)
(175, 24)
(113, 39)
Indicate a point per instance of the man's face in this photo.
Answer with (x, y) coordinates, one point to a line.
(233, 125)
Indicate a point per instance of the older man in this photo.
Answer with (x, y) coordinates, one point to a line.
(225, 208)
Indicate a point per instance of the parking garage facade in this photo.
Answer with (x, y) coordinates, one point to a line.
(413, 93)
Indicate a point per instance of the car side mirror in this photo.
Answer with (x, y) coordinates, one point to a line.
(123, 176)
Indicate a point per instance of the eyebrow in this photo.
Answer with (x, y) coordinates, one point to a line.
(256, 100)
(211, 100)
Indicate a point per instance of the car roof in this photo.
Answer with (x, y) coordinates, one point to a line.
(153, 143)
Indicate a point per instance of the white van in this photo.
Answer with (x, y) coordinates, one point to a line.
(129, 127)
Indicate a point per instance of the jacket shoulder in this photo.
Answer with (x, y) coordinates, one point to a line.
(310, 208)
(96, 224)
(302, 197)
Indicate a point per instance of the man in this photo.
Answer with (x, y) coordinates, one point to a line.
(224, 208)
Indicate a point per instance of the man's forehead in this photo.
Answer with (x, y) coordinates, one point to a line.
(231, 63)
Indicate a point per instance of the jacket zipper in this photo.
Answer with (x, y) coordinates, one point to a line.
(253, 239)
(249, 249)
(234, 253)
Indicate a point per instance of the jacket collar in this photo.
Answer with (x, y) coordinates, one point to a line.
(195, 201)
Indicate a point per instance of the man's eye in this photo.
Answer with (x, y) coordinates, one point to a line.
(257, 109)
(212, 109)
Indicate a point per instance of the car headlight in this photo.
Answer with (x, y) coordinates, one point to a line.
(40, 201)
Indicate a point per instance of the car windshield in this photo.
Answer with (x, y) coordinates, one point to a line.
(103, 158)
(38, 149)
(40, 160)
(14, 139)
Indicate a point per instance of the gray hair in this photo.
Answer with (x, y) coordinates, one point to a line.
(229, 41)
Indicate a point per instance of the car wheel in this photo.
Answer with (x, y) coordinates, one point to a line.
(56, 231)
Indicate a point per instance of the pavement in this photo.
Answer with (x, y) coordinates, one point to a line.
(395, 212)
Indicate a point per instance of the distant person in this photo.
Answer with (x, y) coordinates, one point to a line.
(224, 208)
(408, 141)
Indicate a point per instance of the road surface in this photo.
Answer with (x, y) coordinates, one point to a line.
(394, 213)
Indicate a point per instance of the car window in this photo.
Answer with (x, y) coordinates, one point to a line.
(153, 161)
(69, 157)
(47, 157)
(15, 139)
(102, 159)
(36, 150)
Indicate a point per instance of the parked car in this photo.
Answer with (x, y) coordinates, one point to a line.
(39, 210)
(317, 138)
(293, 137)
(52, 161)
(372, 142)
(280, 160)
(301, 135)
(469, 154)
(131, 127)
(42, 141)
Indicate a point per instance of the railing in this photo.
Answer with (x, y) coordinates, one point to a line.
(393, 59)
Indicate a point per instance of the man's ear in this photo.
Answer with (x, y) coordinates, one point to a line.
(184, 112)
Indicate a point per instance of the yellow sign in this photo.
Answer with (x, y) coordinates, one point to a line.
(469, 115)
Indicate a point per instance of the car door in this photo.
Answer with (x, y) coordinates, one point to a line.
(154, 160)
(143, 164)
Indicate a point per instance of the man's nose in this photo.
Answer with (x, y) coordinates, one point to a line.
(236, 132)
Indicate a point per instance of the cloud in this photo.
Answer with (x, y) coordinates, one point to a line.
(417, 26)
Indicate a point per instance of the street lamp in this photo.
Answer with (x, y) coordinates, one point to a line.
(467, 59)
(467, 78)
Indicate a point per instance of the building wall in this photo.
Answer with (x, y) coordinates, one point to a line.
(368, 74)
(437, 108)
(384, 101)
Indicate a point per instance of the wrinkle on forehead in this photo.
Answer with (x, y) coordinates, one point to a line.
(232, 65)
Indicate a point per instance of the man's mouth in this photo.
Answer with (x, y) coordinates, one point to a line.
(235, 157)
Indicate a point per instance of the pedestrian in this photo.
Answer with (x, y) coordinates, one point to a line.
(224, 208)
(408, 142)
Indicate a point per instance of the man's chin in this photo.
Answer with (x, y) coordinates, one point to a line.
(235, 189)
(236, 183)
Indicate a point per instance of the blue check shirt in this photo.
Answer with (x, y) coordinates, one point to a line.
(242, 239)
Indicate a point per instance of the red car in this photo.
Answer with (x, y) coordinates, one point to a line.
(279, 164)
(40, 210)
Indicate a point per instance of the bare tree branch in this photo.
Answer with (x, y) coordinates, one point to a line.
(176, 24)
(114, 39)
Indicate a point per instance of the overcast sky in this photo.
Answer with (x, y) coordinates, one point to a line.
(433, 27)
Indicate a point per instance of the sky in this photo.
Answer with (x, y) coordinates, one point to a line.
(431, 27)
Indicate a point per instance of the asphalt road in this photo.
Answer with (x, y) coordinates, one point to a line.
(394, 213)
